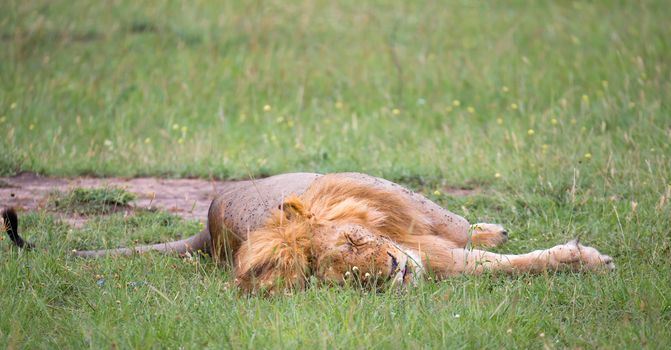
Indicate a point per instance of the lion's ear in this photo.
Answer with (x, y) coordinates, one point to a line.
(294, 208)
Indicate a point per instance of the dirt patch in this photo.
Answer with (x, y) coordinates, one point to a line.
(187, 198)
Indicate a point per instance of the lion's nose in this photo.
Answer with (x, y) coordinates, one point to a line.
(505, 233)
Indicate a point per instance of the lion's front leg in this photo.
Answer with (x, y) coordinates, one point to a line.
(571, 256)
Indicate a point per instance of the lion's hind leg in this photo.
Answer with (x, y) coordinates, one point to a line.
(488, 235)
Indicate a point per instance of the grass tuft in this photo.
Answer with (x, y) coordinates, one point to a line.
(90, 201)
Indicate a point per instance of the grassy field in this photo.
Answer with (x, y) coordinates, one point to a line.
(557, 111)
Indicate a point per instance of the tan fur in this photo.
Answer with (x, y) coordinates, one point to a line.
(279, 251)
(378, 227)
(488, 235)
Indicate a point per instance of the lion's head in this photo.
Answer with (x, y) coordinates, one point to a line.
(332, 235)
(352, 251)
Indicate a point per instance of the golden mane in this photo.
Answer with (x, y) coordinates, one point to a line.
(280, 252)
(337, 199)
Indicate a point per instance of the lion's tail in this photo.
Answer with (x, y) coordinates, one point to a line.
(10, 222)
(198, 242)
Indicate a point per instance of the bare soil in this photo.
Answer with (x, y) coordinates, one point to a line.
(187, 198)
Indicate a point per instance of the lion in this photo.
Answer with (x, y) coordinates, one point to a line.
(280, 232)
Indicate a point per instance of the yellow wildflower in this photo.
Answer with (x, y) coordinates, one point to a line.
(553, 121)
(456, 103)
(267, 108)
(513, 106)
(588, 156)
(530, 132)
(338, 105)
(180, 140)
(499, 121)
(504, 89)
(470, 109)
(175, 126)
(497, 175)
(396, 111)
(147, 140)
(436, 193)
(31, 126)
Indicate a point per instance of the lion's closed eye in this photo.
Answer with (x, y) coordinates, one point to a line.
(357, 239)
(354, 238)
(349, 243)
(352, 241)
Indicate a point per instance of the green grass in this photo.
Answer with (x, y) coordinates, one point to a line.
(89, 201)
(562, 122)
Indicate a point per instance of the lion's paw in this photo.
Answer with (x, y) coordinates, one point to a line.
(488, 235)
(575, 256)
